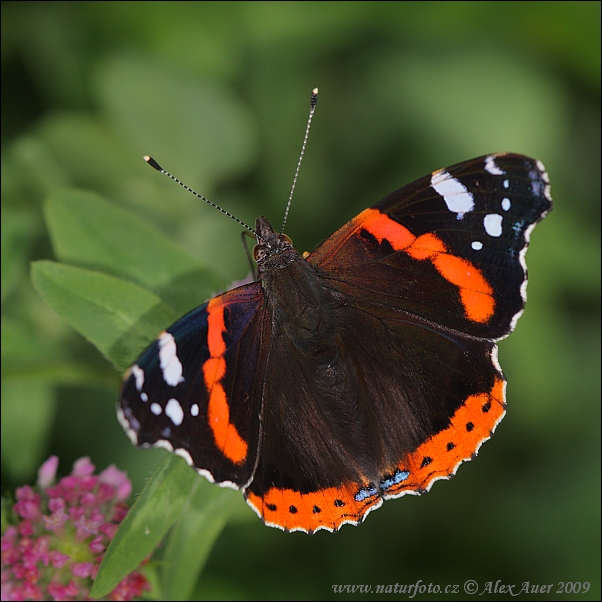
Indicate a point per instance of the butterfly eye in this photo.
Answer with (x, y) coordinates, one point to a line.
(258, 252)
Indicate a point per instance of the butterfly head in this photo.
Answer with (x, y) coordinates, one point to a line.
(270, 245)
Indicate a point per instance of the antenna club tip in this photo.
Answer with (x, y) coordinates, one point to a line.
(315, 91)
(152, 162)
(314, 99)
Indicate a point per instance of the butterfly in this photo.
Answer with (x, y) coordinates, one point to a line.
(361, 372)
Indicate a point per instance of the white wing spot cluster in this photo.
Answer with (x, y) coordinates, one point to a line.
(454, 193)
(173, 410)
(492, 222)
(168, 357)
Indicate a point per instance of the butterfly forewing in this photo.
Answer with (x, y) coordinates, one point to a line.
(449, 247)
(195, 390)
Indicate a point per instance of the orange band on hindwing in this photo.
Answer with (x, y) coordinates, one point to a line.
(325, 509)
(439, 457)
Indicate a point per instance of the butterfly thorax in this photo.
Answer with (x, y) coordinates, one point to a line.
(301, 307)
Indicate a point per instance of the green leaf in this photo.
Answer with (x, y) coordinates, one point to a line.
(193, 537)
(119, 317)
(88, 231)
(86, 148)
(158, 507)
(29, 354)
(198, 123)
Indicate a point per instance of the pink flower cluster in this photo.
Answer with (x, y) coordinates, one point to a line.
(61, 533)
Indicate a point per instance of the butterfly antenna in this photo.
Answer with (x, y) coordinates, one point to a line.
(154, 164)
(312, 107)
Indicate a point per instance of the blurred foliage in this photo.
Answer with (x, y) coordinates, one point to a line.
(218, 94)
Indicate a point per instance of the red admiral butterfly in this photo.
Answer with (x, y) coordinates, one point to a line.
(364, 371)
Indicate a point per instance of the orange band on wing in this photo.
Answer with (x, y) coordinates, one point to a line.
(383, 227)
(475, 292)
(326, 509)
(439, 457)
(226, 437)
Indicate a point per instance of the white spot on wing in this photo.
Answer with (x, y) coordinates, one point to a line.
(477, 245)
(168, 356)
(138, 373)
(506, 204)
(194, 410)
(144, 396)
(492, 168)
(506, 184)
(454, 193)
(173, 409)
(156, 409)
(493, 224)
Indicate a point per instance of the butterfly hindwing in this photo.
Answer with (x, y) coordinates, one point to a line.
(417, 399)
(329, 455)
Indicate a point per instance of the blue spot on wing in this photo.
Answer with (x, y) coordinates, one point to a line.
(365, 493)
(398, 477)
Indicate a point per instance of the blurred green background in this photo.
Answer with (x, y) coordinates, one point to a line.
(218, 93)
